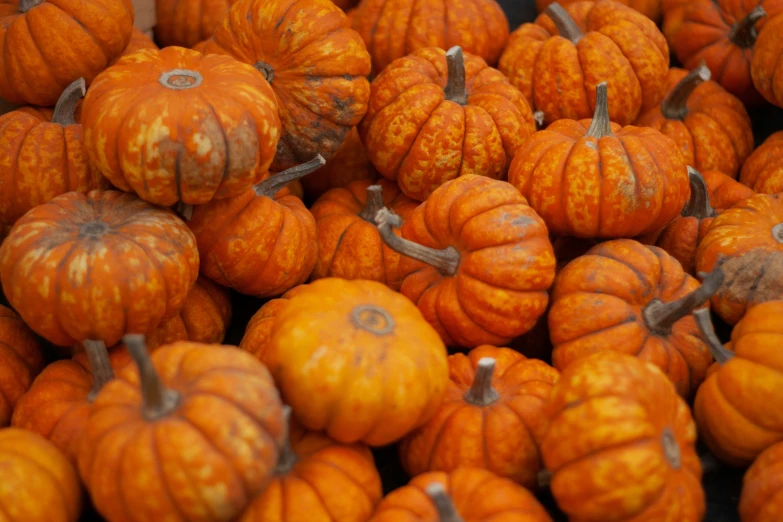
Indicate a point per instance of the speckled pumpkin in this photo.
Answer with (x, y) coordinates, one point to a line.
(765, 66)
(187, 22)
(621, 444)
(761, 499)
(97, 266)
(490, 417)
(348, 164)
(763, 171)
(557, 65)
(649, 8)
(20, 361)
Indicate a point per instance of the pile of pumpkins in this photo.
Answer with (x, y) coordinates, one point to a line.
(399, 183)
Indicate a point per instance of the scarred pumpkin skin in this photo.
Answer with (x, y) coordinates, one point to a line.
(20, 361)
(765, 64)
(761, 499)
(39, 484)
(649, 8)
(97, 266)
(621, 444)
(496, 428)
(133, 114)
(316, 64)
(185, 23)
(763, 171)
(348, 164)
(619, 46)
(80, 37)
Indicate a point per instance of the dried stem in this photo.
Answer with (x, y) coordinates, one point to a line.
(65, 110)
(481, 392)
(660, 317)
(26, 5)
(443, 504)
(288, 458)
(159, 401)
(100, 366)
(455, 85)
(601, 125)
(566, 26)
(744, 33)
(185, 210)
(719, 352)
(675, 106)
(374, 203)
(274, 184)
(698, 205)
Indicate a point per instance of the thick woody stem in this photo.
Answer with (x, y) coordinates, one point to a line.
(698, 205)
(743, 33)
(446, 260)
(566, 26)
(26, 5)
(443, 504)
(274, 184)
(159, 401)
(185, 210)
(481, 392)
(719, 352)
(374, 203)
(674, 107)
(100, 367)
(287, 459)
(455, 85)
(671, 448)
(65, 110)
(601, 125)
(660, 317)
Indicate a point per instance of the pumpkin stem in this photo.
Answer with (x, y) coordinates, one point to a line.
(274, 184)
(26, 5)
(601, 125)
(660, 317)
(777, 232)
(674, 107)
(185, 210)
(455, 85)
(481, 392)
(374, 203)
(443, 504)
(159, 401)
(65, 110)
(719, 352)
(265, 69)
(698, 205)
(544, 478)
(538, 117)
(743, 33)
(671, 448)
(446, 260)
(288, 458)
(98, 357)
(566, 26)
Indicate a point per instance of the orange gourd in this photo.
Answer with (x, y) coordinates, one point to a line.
(764, 65)
(348, 164)
(185, 22)
(763, 171)
(649, 8)
(138, 41)
(20, 361)
(761, 499)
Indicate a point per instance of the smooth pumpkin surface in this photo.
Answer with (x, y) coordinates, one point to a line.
(185, 23)
(348, 164)
(20, 361)
(765, 64)
(763, 172)
(649, 8)
(762, 498)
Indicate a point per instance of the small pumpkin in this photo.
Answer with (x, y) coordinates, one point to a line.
(349, 245)
(764, 64)
(97, 266)
(346, 350)
(464, 495)
(673, 12)
(747, 239)
(649, 8)
(595, 179)
(20, 361)
(39, 484)
(43, 159)
(47, 45)
(262, 242)
(761, 500)
(490, 417)
(621, 444)
(138, 41)
(710, 126)
(348, 164)
(763, 171)
(476, 259)
(185, 22)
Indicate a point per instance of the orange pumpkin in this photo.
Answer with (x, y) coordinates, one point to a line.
(763, 171)
(476, 260)
(349, 245)
(764, 64)
(262, 242)
(710, 126)
(43, 159)
(39, 484)
(621, 444)
(464, 495)
(97, 266)
(44, 46)
(673, 12)
(348, 164)
(20, 361)
(138, 41)
(595, 179)
(490, 417)
(347, 350)
(649, 8)
(747, 240)
(761, 500)
(185, 22)
(435, 115)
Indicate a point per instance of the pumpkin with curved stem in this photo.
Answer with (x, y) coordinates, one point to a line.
(621, 443)
(348, 164)
(261, 242)
(20, 361)
(346, 350)
(39, 484)
(490, 417)
(765, 63)
(97, 266)
(761, 500)
(47, 45)
(476, 259)
(710, 126)
(649, 8)
(763, 171)
(171, 135)
(747, 240)
(185, 23)
(44, 159)
(349, 245)
(595, 179)
(558, 61)
(435, 115)
(138, 41)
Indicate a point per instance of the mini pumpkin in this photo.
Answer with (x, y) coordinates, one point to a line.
(477, 261)
(761, 500)
(138, 41)
(97, 266)
(763, 171)
(185, 22)
(20, 361)
(348, 164)
(673, 12)
(649, 8)
(621, 443)
(765, 62)
(490, 417)
(595, 179)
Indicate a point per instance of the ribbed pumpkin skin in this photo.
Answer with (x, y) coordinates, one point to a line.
(762, 498)
(20, 361)
(81, 37)
(763, 171)
(765, 66)
(138, 41)
(185, 22)
(649, 8)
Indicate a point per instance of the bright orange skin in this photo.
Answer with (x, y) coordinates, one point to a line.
(39, 484)
(186, 23)
(350, 247)
(630, 183)
(329, 482)
(205, 460)
(396, 28)
(607, 416)
(71, 286)
(763, 171)
(649, 8)
(742, 229)
(416, 136)
(138, 41)
(620, 46)
(673, 13)
(55, 43)
(762, 496)
(682, 236)
(501, 437)
(355, 383)
(506, 262)
(716, 134)
(765, 63)
(320, 69)
(477, 494)
(348, 164)
(20, 361)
